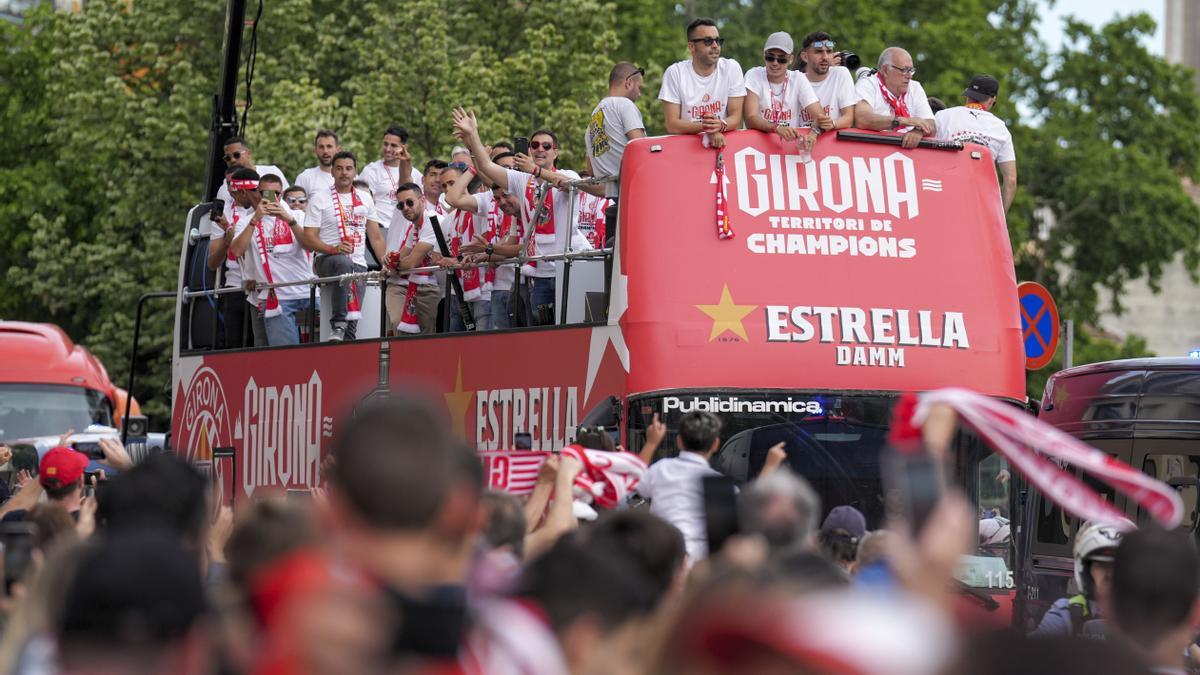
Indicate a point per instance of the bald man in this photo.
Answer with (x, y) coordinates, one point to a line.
(891, 100)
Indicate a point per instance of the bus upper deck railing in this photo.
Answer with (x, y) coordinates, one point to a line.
(378, 275)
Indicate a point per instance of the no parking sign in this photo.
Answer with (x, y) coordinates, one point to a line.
(1039, 324)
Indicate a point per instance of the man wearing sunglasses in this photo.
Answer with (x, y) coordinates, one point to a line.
(233, 307)
(776, 96)
(973, 122)
(891, 100)
(703, 94)
(832, 84)
(411, 243)
(615, 121)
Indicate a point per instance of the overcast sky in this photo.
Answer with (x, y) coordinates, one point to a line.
(1097, 12)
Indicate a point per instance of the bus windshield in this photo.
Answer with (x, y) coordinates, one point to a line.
(834, 441)
(32, 410)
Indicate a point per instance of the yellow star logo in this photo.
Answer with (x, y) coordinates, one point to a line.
(459, 402)
(727, 316)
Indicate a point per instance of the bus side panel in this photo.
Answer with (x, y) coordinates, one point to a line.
(280, 408)
(277, 408)
(870, 268)
(498, 384)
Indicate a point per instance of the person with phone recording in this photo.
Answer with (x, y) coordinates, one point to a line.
(675, 486)
(61, 475)
(267, 238)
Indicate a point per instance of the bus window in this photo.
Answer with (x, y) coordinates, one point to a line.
(1165, 467)
(991, 485)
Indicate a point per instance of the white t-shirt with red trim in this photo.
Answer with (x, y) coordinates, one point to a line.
(784, 102)
(383, 181)
(560, 211)
(834, 92)
(868, 89)
(699, 96)
(287, 258)
(323, 213)
(403, 234)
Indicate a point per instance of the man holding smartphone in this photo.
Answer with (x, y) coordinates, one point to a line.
(267, 238)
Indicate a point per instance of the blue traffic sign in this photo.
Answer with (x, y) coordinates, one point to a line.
(1039, 324)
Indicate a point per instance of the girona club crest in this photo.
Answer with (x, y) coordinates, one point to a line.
(205, 422)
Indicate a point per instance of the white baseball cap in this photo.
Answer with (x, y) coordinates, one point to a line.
(781, 41)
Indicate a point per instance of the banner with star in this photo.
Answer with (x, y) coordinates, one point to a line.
(871, 268)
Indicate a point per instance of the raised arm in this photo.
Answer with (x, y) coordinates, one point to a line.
(458, 196)
(466, 128)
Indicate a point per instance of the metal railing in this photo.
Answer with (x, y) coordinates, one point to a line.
(381, 278)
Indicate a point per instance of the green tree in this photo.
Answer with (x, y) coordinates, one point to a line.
(1119, 133)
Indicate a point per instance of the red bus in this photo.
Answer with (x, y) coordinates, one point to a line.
(867, 272)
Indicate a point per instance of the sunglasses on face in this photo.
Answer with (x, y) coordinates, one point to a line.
(407, 202)
(775, 59)
(231, 156)
(709, 41)
(639, 71)
(822, 44)
(545, 145)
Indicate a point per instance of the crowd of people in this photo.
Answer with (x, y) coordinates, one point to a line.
(460, 239)
(404, 563)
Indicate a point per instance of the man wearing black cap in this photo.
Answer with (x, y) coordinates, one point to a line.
(973, 122)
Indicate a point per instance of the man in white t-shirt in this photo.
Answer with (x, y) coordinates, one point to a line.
(335, 230)
(238, 155)
(973, 122)
(320, 177)
(777, 97)
(891, 100)
(703, 94)
(536, 181)
(832, 84)
(267, 241)
(384, 177)
(411, 243)
(615, 121)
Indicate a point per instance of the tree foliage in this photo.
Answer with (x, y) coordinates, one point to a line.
(107, 114)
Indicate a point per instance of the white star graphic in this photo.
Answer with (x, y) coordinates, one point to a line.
(603, 335)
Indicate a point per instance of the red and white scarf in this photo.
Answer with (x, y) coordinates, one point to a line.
(1030, 444)
(724, 228)
(543, 230)
(409, 319)
(476, 280)
(899, 107)
(606, 480)
(282, 241)
(348, 226)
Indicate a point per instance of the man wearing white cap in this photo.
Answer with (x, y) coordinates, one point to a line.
(778, 98)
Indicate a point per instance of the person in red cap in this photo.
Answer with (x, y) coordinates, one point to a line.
(61, 475)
